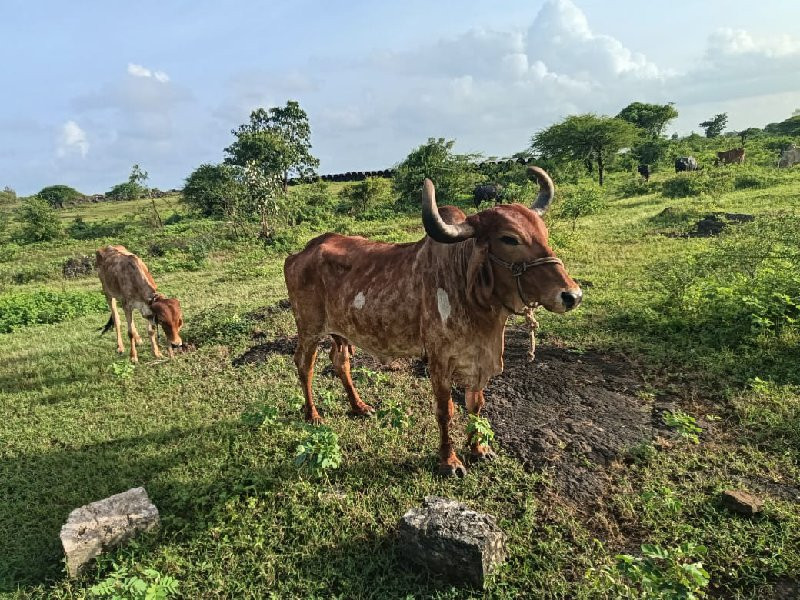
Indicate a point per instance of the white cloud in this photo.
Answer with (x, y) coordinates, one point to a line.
(72, 139)
(141, 71)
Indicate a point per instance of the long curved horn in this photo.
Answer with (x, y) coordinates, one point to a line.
(435, 226)
(546, 189)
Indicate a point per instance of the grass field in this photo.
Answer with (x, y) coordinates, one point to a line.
(215, 444)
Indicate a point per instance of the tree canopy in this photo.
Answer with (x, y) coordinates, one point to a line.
(586, 138)
(650, 118)
(211, 190)
(790, 126)
(277, 140)
(715, 125)
(57, 195)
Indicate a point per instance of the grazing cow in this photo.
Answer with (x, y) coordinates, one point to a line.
(685, 163)
(789, 157)
(644, 171)
(446, 296)
(126, 278)
(730, 157)
(487, 192)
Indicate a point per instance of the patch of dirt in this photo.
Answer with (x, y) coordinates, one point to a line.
(574, 414)
(263, 313)
(714, 223)
(286, 346)
(79, 266)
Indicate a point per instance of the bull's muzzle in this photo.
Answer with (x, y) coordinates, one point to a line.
(571, 299)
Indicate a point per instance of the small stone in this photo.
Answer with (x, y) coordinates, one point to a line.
(449, 539)
(741, 502)
(101, 525)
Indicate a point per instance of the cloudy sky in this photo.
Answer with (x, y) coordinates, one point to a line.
(91, 87)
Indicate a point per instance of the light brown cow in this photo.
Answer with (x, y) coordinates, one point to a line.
(446, 296)
(126, 278)
(730, 157)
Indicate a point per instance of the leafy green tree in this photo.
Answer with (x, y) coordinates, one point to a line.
(750, 132)
(40, 223)
(212, 190)
(715, 125)
(451, 173)
(650, 118)
(57, 195)
(7, 195)
(277, 141)
(138, 178)
(588, 138)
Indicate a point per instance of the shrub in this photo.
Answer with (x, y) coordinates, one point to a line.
(7, 195)
(57, 195)
(211, 190)
(635, 186)
(580, 201)
(453, 174)
(365, 195)
(40, 223)
(18, 310)
(144, 584)
(684, 185)
(670, 574)
(126, 191)
(753, 178)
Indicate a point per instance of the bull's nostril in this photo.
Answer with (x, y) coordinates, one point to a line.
(570, 299)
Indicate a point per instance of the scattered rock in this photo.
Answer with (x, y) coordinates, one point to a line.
(79, 266)
(101, 525)
(741, 502)
(451, 540)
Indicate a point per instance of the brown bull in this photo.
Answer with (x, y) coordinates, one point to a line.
(730, 157)
(446, 296)
(126, 278)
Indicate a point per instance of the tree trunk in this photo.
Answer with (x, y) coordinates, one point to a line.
(600, 166)
(158, 216)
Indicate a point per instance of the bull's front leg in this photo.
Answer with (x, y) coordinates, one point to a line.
(475, 402)
(449, 464)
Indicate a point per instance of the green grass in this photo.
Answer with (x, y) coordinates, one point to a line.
(215, 445)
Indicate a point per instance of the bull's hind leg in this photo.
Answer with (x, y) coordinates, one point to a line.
(475, 402)
(449, 464)
(340, 357)
(304, 357)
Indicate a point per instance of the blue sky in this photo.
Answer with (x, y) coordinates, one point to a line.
(92, 87)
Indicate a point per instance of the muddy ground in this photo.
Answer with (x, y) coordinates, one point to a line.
(571, 414)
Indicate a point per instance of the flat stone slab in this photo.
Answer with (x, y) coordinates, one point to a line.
(449, 539)
(741, 502)
(101, 525)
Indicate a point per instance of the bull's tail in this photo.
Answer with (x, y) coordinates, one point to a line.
(108, 325)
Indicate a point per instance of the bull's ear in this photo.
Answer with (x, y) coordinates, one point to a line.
(480, 277)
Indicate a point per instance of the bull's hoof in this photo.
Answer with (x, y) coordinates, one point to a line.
(362, 410)
(452, 469)
(314, 418)
(120, 350)
(481, 454)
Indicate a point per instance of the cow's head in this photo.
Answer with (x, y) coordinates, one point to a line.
(167, 313)
(512, 262)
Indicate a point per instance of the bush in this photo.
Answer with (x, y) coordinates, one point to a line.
(684, 185)
(581, 201)
(365, 195)
(635, 186)
(40, 223)
(18, 310)
(57, 195)
(7, 195)
(753, 179)
(126, 191)
(312, 204)
(452, 174)
(211, 190)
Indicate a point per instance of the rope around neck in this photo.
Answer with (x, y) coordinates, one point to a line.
(517, 269)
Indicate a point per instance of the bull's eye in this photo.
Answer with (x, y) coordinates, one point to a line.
(511, 241)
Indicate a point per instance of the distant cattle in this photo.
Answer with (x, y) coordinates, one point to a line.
(789, 157)
(685, 163)
(644, 171)
(447, 296)
(487, 192)
(730, 157)
(126, 278)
